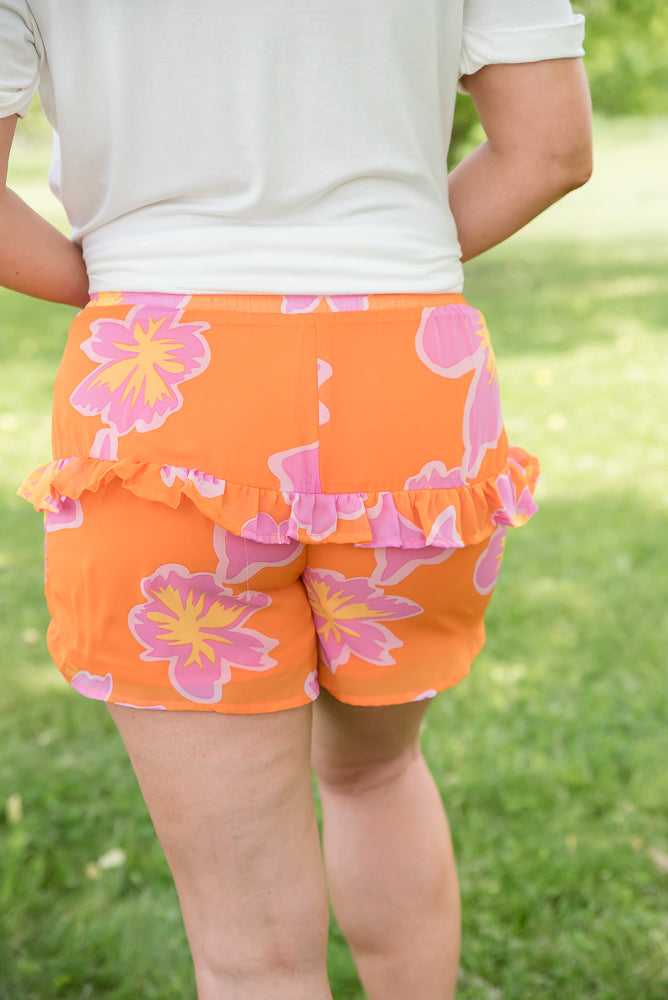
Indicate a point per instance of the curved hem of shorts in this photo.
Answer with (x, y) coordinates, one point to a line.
(396, 698)
(219, 707)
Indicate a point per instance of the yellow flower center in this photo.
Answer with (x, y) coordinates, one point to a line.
(187, 624)
(138, 371)
(336, 608)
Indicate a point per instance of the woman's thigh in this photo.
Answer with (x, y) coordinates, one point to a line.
(231, 801)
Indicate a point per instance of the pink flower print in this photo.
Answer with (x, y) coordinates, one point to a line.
(312, 685)
(444, 530)
(241, 558)
(70, 515)
(435, 476)
(393, 564)
(389, 527)
(513, 506)
(426, 695)
(337, 303)
(263, 528)
(105, 445)
(297, 470)
(206, 485)
(449, 338)
(452, 341)
(488, 566)
(483, 422)
(317, 513)
(93, 685)
(325, 372)
(197, 625)
(348, 615)
(141, 362)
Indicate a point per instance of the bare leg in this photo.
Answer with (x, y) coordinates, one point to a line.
(388, 853)
(230, 798)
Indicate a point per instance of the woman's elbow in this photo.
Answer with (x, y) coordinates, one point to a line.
(570, 166)
(579, 167)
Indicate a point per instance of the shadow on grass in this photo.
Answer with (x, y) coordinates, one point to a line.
(546, 757)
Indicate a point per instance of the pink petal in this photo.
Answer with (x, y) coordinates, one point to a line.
(390, 528)
(488, 566)
(315, 514)
(241, 558)
(93, 685)
(297, 469)
(425, 695)
(373, 643)
(300, 303)
(202, 684)
(447, 339)
(69, 515)
(312, 685)
(325, 371)
(435, 476)
(483, 422)
(350, 506)
(105, 445)
(526, 505)
(394, 564)
(263, 528)
(512, 506)
(444, 530)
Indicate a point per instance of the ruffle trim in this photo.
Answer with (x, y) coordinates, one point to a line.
(444, 517)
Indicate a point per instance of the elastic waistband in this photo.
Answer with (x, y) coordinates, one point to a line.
(287, 304)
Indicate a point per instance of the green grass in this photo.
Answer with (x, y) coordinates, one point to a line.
(550, 757)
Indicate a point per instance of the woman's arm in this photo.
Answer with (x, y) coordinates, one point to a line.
(537, 119)
(35, 258)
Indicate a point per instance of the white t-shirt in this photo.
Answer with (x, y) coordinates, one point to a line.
(272, 147)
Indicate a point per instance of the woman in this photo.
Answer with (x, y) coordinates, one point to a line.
(280, 483)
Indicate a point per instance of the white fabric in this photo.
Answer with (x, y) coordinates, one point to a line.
(255, 146)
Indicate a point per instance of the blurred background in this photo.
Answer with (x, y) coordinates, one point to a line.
(551, 757)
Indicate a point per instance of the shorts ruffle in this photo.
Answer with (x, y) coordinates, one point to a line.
(409, 519)
(144, 380)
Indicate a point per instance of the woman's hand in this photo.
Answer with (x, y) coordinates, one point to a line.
(537, 119)
(35, 258)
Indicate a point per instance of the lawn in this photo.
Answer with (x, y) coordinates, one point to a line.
(548, 756)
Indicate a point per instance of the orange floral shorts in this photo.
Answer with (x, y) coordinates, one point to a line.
(255, 495)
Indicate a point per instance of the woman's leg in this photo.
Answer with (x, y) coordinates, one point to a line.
(388, 853)
(231, 801)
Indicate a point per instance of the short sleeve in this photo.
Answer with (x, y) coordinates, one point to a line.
(20, 51)
(517, 31)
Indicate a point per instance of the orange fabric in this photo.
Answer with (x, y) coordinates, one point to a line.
(161, 608)
(362, 419)
(230, 470)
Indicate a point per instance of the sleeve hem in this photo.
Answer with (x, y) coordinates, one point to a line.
(535, 44)
(19, 105)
